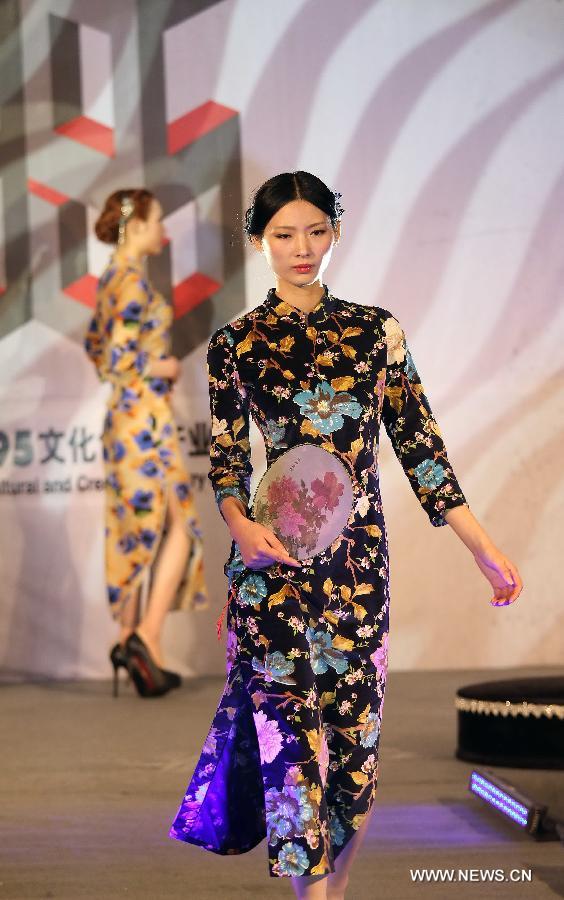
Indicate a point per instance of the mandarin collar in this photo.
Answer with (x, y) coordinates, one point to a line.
(322, 310)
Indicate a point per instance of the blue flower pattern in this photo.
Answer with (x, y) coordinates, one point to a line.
(253, 589)
(275, 668)
(429, 474)
(325, 408)
(323, 654)
(298, 726)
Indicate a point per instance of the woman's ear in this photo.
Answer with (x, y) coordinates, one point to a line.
(135, 226)
(257, 243)
(337, 231)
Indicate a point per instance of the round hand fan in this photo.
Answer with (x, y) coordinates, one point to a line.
(306, 498)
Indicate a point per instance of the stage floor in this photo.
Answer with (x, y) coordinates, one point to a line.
(90, 785)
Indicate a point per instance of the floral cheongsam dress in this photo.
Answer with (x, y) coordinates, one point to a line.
(292, 753)
(142, 458)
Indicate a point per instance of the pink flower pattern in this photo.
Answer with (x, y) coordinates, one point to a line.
(269, 737)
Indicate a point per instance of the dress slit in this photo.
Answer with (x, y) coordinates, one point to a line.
(225, 813)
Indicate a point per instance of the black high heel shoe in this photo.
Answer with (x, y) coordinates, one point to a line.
(118, 659)
(149, 679)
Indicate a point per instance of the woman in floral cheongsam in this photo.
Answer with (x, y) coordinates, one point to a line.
(153, 536)
(292, 753)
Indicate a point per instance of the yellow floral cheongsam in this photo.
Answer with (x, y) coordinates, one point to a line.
(142, 458)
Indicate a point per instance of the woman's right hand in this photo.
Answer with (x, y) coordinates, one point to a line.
(173, 368)
(259, 545)
(169, 367)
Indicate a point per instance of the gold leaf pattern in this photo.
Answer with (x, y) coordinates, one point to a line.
(312, 656)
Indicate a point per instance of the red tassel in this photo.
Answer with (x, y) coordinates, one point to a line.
(219, 622)
(222, 616)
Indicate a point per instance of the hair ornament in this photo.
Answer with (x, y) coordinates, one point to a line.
(339, 210)
(126, 211)
(248, 219)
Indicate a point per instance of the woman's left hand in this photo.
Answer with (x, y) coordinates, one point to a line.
(502, 574)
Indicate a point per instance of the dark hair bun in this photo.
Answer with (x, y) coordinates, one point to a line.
(107, 225)
(281, 189)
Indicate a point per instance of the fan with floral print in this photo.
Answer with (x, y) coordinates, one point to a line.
(305, 497)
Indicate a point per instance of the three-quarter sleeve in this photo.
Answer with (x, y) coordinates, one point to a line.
(124, 355)
(413, 430)
(93, 343)
(230, 447)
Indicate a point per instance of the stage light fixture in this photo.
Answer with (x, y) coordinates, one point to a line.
(532, 817)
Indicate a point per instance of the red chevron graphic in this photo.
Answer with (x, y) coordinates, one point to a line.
(196, 123)
(90, 133)
(83, 290)
(192, 291)
(50, 195)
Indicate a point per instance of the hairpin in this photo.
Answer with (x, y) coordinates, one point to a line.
(126, 211)
(338, 208)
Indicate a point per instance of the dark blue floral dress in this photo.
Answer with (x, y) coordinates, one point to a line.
(292, 753)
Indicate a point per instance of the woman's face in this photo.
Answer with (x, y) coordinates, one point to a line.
(150, 232)
(298, 242)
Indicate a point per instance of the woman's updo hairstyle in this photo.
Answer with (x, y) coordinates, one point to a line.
(134, 202)
(281, 189)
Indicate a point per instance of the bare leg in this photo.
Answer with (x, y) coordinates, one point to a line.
(333, 886)
(310, 887)
(129, 619)
(338, 880)
(168, 575)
